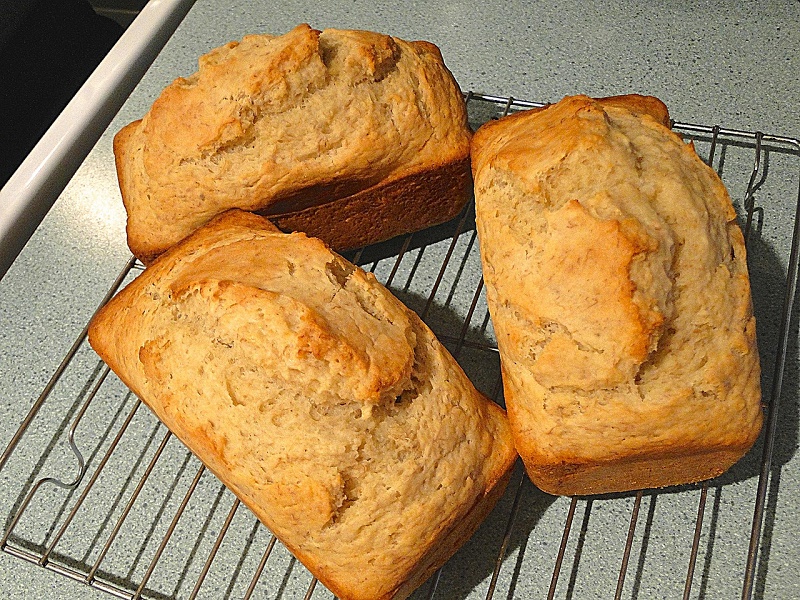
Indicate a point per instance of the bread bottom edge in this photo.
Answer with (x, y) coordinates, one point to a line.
(631, 473)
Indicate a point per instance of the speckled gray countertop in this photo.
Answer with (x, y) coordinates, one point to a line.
(728, 63)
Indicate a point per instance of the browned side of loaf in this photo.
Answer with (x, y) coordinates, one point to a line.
(385, 210)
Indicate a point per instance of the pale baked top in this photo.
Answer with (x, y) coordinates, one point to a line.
(618, 279)
(264, 118)
(327, 405)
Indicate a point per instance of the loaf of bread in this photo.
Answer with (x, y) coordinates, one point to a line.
(350, 136)
(316, 396)
(617, 284)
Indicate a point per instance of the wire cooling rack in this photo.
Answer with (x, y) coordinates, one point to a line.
(109, 498)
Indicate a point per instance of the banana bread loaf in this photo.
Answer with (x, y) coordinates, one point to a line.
(350, 136)
(326, 405)
(618, 287)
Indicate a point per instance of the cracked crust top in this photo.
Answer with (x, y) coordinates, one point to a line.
(326, 405)
(617, 281)
(278, 124)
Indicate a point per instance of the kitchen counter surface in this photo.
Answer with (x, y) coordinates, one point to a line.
(728, 63)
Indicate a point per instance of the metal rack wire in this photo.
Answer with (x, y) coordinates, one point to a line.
(153, 492)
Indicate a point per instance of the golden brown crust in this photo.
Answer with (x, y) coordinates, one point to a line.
(633, 103)
(321, 401)
(122, 140)
(617, 280)
(639, 105)
(280, 125)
